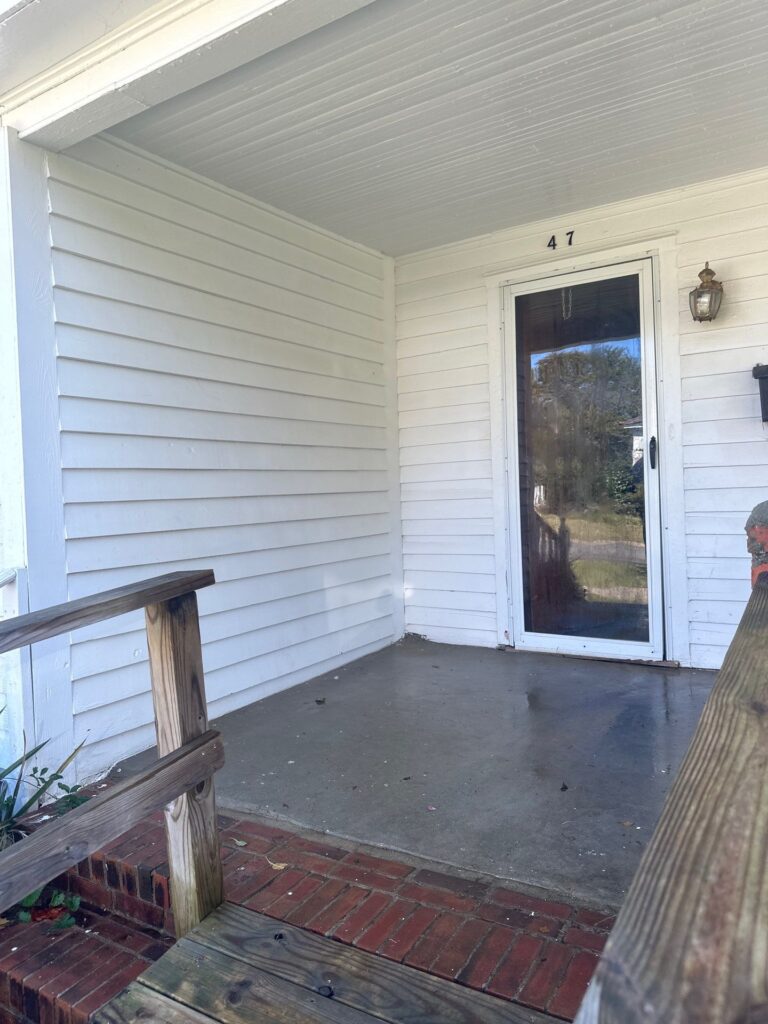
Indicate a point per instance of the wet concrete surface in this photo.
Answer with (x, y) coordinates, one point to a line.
(544, 770)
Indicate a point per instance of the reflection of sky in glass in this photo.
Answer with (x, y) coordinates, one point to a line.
(629, 345)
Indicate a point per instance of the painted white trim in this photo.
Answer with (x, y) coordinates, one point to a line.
(670, 475)
(393, 453)
(172, 47)
(499, 456)
(32, 300)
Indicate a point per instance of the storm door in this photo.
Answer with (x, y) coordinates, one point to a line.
(583, 456)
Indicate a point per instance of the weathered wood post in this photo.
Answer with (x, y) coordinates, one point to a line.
(178, 692)
(690, 945)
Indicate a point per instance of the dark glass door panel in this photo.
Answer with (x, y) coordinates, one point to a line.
(582, 461)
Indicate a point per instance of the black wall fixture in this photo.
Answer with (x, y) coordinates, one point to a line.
(760, 373)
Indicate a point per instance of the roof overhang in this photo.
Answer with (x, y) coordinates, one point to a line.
(171, 47)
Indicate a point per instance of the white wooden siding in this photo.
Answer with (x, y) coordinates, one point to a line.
(226, 377)
(443, 370)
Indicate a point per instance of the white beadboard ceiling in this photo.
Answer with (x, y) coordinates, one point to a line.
(414, 123)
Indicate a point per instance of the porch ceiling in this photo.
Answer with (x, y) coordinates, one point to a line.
(413, 123)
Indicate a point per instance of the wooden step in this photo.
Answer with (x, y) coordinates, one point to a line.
(238, 966)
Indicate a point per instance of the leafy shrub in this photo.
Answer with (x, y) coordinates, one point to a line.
(13, 805)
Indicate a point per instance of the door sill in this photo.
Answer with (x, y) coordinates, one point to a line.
(655, 662)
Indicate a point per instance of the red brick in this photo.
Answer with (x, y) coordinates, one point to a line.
(308, 860)
(98, 872)
(161, 895)
(298, 845)
(95, 968)
(509, 916)
(26, 964)
(247, 881)
(138, 910)
(595, 919)
(25, 979)
(328, 919)
(510, 898)
(153, 850)
(123, 841)
(359, 919)
(322, 898)
(282, 883)
(544, 927)
(253, 843)
(9, 1017)
(237, 861)
(370, 879)
(114, 984)
(437, 898)
(408, 934)
(366, 862)
(112, 868)
(91, 892)
(486, 957)
(30, 940)
(256, 828)
(69, 969)
(573, 986)
(547, 975)
(121, 933)
(385, 925)
(10, 935)
(515, 967)
(454, 883)
(428, 947)
(294, 898)
(587, 940)
(460, 948)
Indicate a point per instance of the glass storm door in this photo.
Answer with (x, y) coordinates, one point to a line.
(583, 455)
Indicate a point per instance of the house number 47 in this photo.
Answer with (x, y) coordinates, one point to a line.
(552, 243)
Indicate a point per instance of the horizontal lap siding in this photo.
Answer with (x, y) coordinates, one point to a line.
(224, 402)
(446, 480)
(448, 519)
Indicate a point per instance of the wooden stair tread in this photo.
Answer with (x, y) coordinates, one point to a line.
(238, 966)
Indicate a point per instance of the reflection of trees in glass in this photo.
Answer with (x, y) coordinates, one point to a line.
(582, 401)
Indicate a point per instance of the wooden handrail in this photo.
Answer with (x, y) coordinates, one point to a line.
(690, 943)
(189, 754)
(61, 618)
(36, 860)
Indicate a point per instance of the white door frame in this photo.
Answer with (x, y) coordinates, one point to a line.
(661, 254)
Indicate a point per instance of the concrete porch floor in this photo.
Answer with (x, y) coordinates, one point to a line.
(543, 770)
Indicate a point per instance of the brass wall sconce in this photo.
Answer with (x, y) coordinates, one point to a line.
(705, 299)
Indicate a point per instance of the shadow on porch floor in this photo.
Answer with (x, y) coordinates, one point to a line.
(462, 755)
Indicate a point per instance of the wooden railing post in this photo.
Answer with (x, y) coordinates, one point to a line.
(178, 692)
(690, 943)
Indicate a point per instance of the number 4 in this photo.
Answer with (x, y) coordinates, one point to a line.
(552, 244)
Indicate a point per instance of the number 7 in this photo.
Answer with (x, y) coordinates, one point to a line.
(569, 234)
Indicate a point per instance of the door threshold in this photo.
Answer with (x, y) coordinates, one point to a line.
(654, 662)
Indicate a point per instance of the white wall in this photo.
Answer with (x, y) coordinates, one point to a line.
(711, 418)
(226, 382)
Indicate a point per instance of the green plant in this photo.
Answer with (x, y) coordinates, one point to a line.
(14, 803)
(48, 905)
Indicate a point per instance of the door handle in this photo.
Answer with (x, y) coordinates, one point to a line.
(652, 447)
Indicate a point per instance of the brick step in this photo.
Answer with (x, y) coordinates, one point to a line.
(62, 977)
(539, 952)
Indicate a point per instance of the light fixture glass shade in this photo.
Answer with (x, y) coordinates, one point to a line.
(706, 298)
